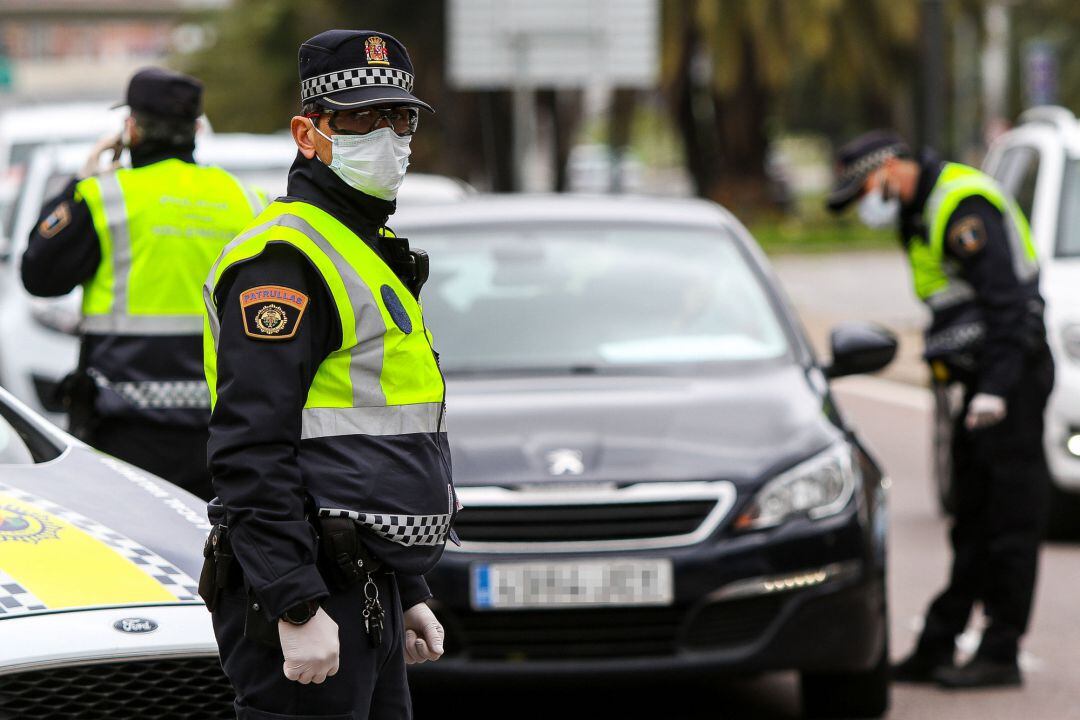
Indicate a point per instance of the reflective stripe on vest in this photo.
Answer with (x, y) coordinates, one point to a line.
(936, 276)
(160, 227)
(381, 380)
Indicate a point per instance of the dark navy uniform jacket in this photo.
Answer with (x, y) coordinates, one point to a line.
(262, 387)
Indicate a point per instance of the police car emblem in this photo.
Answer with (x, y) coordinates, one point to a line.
(565, 461)
(375, 49)
(135, 625)
(271, 320)
(19, 525)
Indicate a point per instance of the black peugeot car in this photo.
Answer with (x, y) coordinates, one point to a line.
(653, 473)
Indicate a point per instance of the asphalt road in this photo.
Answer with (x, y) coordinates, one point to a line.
(894, 419)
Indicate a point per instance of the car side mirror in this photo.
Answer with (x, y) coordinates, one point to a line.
(859, 347)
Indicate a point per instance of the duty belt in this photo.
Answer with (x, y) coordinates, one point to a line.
(163, 394)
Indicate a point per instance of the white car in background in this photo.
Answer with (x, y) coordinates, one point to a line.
(39, 346)
(1038, 162)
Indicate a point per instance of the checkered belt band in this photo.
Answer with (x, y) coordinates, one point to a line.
(355, 78)
(407, 530)
(158, 394)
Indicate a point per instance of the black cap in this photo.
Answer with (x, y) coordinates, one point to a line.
(342, 69)
(164, 93)
(857, 159)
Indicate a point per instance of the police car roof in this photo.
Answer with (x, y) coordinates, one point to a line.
(510, 209)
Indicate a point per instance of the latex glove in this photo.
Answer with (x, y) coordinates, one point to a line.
(984, 410)
(93, 165)
(311, 650)
(423, 635)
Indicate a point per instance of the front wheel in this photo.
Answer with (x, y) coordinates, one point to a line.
(848, 695)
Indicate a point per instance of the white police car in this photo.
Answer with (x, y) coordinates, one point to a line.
(99, 616)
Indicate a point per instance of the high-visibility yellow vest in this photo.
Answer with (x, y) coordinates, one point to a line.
(936, 276)
(161, 227)
(378, 398)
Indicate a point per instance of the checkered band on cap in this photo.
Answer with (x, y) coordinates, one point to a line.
(868, 163)
(363, 77)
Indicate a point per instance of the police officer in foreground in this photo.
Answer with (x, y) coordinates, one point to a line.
(327, 444)
(140, 242)
(974, 266)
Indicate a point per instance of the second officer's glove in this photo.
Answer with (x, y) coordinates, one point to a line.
(311, 650)
(423, 635)
(984, 410)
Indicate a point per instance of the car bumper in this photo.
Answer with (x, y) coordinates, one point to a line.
(1062, 422)
(834, 625)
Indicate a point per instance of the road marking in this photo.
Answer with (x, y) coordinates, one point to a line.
(887, 391)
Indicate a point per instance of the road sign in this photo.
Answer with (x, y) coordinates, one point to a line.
(499, 44)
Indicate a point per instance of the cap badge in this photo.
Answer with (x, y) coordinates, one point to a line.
(375, 49)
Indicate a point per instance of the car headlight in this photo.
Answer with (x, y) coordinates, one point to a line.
(816, 488)
(1070, 340)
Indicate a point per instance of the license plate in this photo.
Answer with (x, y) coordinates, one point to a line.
(534, 585)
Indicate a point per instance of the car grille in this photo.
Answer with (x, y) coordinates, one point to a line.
(569, 634)
(733, 622)
(586, 522)
(180, 689)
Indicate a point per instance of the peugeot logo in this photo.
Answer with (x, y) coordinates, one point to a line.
(135, 625)
(565, 461)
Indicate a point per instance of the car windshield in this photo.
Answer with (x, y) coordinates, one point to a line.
(591, 299)
(1068, 240)
(13, 446)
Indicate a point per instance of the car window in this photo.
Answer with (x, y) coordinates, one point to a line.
(572, 299)
(1068, 239)
(13, 448)
(1018, 173)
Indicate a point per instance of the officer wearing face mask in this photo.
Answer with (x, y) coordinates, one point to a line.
(974, 266)
(327, 448)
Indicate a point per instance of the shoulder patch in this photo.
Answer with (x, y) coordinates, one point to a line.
(272, 312)
(57, 220)
(967, 236)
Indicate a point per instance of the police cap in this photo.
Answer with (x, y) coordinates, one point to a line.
(856, 160)
(164, 93)
(342, 69)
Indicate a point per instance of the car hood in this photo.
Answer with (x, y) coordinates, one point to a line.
(87, 531)
(624, 429)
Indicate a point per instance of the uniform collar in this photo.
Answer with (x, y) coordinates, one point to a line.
(911, 215)
(148, 153)
(314, 183)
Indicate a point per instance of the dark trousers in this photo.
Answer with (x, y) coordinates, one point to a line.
(177, 454)
(1001, 488)
(370, 683)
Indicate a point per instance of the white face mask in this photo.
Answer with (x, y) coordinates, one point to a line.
(877, 212)
(374, 163)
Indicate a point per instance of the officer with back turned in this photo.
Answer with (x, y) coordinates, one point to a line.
(974, 266)
(327, 444)
(140, 241)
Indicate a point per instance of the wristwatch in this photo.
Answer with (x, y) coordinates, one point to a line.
(300, 613)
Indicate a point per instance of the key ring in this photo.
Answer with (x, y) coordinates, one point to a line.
(368, 594)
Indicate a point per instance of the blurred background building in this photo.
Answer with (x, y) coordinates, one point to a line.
(737, 100)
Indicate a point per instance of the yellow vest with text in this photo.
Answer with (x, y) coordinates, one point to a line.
(160, 228)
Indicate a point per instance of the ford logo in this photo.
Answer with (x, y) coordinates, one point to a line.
(135, 625)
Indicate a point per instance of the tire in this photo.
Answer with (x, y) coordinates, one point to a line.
(848, 695)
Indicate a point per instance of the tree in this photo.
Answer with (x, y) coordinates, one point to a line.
(732, 65)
